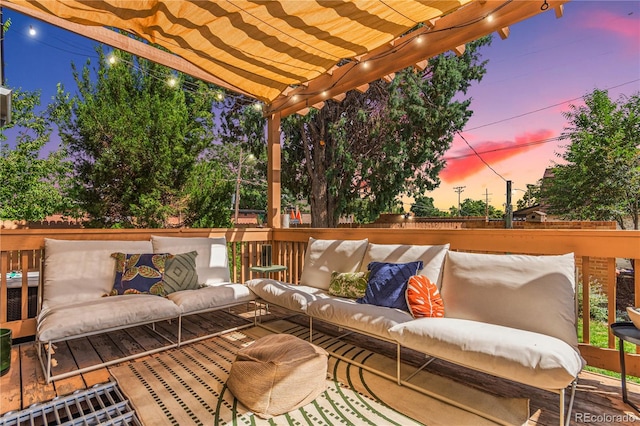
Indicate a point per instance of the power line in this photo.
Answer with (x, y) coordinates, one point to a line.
(480, 157)
(547, 107)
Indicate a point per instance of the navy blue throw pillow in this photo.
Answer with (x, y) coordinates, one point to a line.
(387, 284)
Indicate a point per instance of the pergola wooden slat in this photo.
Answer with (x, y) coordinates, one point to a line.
(291, 54)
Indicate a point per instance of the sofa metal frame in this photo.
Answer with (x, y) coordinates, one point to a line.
(564, 413)
(46, 350)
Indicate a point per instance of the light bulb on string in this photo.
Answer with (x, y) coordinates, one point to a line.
(32, 31)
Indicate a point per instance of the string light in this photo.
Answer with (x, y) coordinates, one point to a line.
(489, 18)
(172, 82)
(32, 31)
(111, 59)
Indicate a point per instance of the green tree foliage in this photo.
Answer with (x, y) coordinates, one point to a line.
(471, 207)
(376, 145)
(30, 187)
(423, 207)
(531, 196)
(601, 177)
(209, 196)
(133, 138)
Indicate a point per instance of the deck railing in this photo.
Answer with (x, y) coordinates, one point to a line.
(21, 250)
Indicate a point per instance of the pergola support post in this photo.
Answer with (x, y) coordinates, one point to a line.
(274, 164)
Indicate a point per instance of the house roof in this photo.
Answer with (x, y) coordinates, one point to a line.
(291, 54)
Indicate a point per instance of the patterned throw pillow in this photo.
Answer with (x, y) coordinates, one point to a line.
(180, 273)
(423, 298)
(388, 284)
(348, 284)
(139, 273)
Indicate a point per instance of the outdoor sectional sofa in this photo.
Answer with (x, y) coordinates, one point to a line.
(512, 316)
(77, 276)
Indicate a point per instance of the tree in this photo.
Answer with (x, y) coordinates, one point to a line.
(471, 207)
(133, 138)
(31, 185)
(208, 194)
(601, 177)
(531, 196)
(423, 207)
(377, 145)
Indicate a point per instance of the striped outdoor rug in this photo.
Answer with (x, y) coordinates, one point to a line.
(186, 386)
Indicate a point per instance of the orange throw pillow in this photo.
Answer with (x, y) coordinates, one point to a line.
(423, 298)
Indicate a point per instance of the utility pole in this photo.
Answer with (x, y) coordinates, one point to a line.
(249, 158)
(237, 198)
(508, 214)
(459, 190)
(5, 93)
(486, 204)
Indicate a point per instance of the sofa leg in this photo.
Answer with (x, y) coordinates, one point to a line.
(179, 330)
(398, 364)
(566, 421)
(47, 371)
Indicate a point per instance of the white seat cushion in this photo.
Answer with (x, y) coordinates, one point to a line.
(289, 296)
(432, 257)
(214, 296)
(325, 256)
(102, 314)
(212, 262)
(370, 319)
(534, 293)
(526, 357)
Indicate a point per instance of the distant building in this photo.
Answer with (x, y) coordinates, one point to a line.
(534, 213)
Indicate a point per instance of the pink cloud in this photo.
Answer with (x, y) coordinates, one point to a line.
(464, 162)
(626, 27)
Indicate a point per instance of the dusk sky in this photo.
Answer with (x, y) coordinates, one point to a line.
(533, 76)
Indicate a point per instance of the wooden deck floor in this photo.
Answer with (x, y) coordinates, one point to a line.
(598, 398)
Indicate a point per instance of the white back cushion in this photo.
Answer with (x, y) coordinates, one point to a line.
(325, 256)
(534, 293)
(76, 271)
(432, 257)
(212, 262)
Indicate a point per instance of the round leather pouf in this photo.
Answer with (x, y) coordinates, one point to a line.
(277, 374)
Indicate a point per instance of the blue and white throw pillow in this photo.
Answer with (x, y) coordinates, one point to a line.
(388, 284)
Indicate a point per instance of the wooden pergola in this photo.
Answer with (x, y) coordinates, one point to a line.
(290, 54)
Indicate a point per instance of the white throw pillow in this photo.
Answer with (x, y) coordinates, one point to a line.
(212, 262)
(432, 257)
(534, 293)
(325, 256)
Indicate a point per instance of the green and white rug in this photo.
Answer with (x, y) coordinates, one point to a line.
(186, 386)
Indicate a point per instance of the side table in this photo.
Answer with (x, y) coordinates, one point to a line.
(265, 271)
(626, 332)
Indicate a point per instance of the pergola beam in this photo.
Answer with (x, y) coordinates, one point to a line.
(449, 32)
